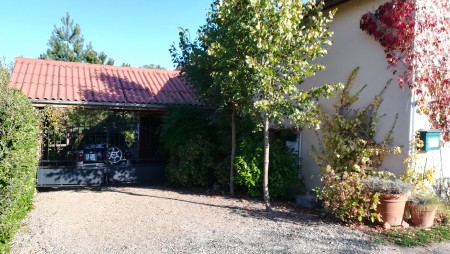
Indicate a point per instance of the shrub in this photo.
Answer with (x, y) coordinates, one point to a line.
(18, 158)
(386, 185)
(349, 153)
(283, 167)
(191, 138)
(199, 147)
(420, 176)
(191, 164)
(345, 196)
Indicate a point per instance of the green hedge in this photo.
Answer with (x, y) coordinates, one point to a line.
(18, 158)
(199, 145)
(284, 181)
(191, 137)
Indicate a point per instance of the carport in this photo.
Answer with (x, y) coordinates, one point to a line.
(146, 92)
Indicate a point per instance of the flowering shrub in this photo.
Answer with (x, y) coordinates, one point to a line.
(348, 154)
(345, 196)
(416, 38)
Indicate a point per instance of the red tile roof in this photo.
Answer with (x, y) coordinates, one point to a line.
(48, 81)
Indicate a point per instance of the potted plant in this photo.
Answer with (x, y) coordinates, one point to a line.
(392, 194)
(422, 208)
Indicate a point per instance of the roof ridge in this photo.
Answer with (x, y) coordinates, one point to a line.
(66, 63)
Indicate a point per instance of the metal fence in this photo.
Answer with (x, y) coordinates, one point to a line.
(96, 155)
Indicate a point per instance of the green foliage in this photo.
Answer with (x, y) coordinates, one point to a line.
(349, 153)
(259, 50)
(67, 44)
(427, 201)
(344, 196)
(253, 55)
(417, 173)
(182, 123)
(192, 164)
(198, 144)
(55, 118)
(18, 158)
(190, 137)
(284, 170)
(248, 164)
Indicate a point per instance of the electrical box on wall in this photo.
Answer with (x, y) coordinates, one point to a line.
(431, 139)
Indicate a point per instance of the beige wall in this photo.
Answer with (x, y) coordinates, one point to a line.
(352, 48)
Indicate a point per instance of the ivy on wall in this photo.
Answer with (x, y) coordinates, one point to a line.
(416, 39)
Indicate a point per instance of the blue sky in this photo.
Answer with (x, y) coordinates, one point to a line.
(138, 32)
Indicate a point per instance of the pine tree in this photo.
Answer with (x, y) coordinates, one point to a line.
(67, 44)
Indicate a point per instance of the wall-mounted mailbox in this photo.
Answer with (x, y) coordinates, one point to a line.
(431, 139)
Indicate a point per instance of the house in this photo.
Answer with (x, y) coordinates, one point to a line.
(355, 48)
(151, 91)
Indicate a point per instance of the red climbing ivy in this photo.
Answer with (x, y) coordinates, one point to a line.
(416, 40)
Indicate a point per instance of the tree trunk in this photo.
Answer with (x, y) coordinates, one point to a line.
(233, 150)
(266, 163)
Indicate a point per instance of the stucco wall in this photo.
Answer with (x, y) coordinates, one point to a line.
(352, 48)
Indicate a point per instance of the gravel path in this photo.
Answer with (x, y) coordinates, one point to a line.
(145, 220)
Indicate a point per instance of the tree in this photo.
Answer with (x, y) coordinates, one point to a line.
(253, 55)
(67, 44)
(153, 66)
(148, 66)
(221, 78)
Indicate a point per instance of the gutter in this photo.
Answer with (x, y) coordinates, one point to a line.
(333, 3)
(111, 105)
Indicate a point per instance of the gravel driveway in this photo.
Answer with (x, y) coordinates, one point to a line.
(146, 220)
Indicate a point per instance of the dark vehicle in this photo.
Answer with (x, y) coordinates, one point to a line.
(101, 148)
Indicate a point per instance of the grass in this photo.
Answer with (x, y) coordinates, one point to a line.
(416, 236)
(409, 237)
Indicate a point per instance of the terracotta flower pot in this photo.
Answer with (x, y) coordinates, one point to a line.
(422, 217)
(392, 207)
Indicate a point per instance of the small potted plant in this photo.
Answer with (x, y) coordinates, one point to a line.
(392, 194)
(422, 208)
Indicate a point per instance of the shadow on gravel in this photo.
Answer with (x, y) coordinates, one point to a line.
(280, 213)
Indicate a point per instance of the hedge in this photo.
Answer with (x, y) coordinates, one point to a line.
(18, 158)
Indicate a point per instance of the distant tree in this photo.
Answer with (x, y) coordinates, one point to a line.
(92, 56)
(67, 44)
(148, 66)
(153, 66)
